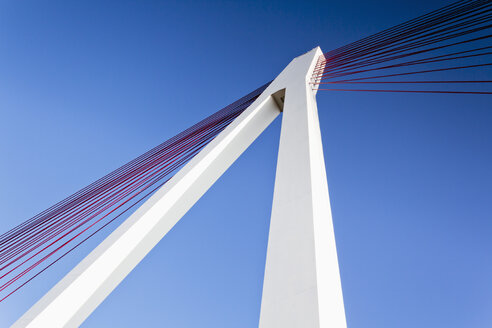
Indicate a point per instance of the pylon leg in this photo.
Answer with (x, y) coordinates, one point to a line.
(302, 286)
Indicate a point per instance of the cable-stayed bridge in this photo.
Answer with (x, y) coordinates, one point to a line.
(302, 286)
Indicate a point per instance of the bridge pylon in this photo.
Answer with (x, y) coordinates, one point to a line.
(302, 287)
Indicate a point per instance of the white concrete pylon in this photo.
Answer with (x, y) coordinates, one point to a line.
(74, 298)
(302, 285)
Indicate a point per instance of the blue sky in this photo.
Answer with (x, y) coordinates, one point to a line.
(86, 86)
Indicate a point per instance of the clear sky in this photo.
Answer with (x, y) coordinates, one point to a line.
(85, 86)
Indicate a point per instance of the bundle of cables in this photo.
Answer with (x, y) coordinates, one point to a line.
(35, 245)
(445, 51)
